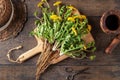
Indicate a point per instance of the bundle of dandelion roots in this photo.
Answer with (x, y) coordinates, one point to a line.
(63, 32)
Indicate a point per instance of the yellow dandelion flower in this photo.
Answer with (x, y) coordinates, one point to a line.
(40, 4)
(74, 31)
(89, 27)
(83, 16)
(43, 0)
(84, 47)
(78, 16)
(55, 17)
(71, 7)
(71, 19)
(57, 3)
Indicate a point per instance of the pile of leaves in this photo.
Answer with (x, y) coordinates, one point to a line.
(63, 29)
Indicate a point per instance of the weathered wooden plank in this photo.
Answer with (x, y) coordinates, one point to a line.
(88, 7)
(17, 72)
(104, 67)
(8, 72)
(95, 73)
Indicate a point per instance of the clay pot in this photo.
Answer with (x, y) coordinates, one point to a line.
(110, 23)
(12, 18)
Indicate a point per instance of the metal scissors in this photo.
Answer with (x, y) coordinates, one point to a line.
(73, 73)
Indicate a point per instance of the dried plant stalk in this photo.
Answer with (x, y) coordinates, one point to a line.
(45, 59)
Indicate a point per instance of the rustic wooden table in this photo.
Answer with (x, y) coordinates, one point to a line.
(104, 67)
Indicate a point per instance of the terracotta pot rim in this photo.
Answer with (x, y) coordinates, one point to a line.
(103, 19)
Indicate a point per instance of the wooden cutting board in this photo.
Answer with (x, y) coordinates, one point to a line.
(39, 47)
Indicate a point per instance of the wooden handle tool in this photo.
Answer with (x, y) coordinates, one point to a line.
(113, 44)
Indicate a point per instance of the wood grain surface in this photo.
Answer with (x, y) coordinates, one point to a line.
(104, 67)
